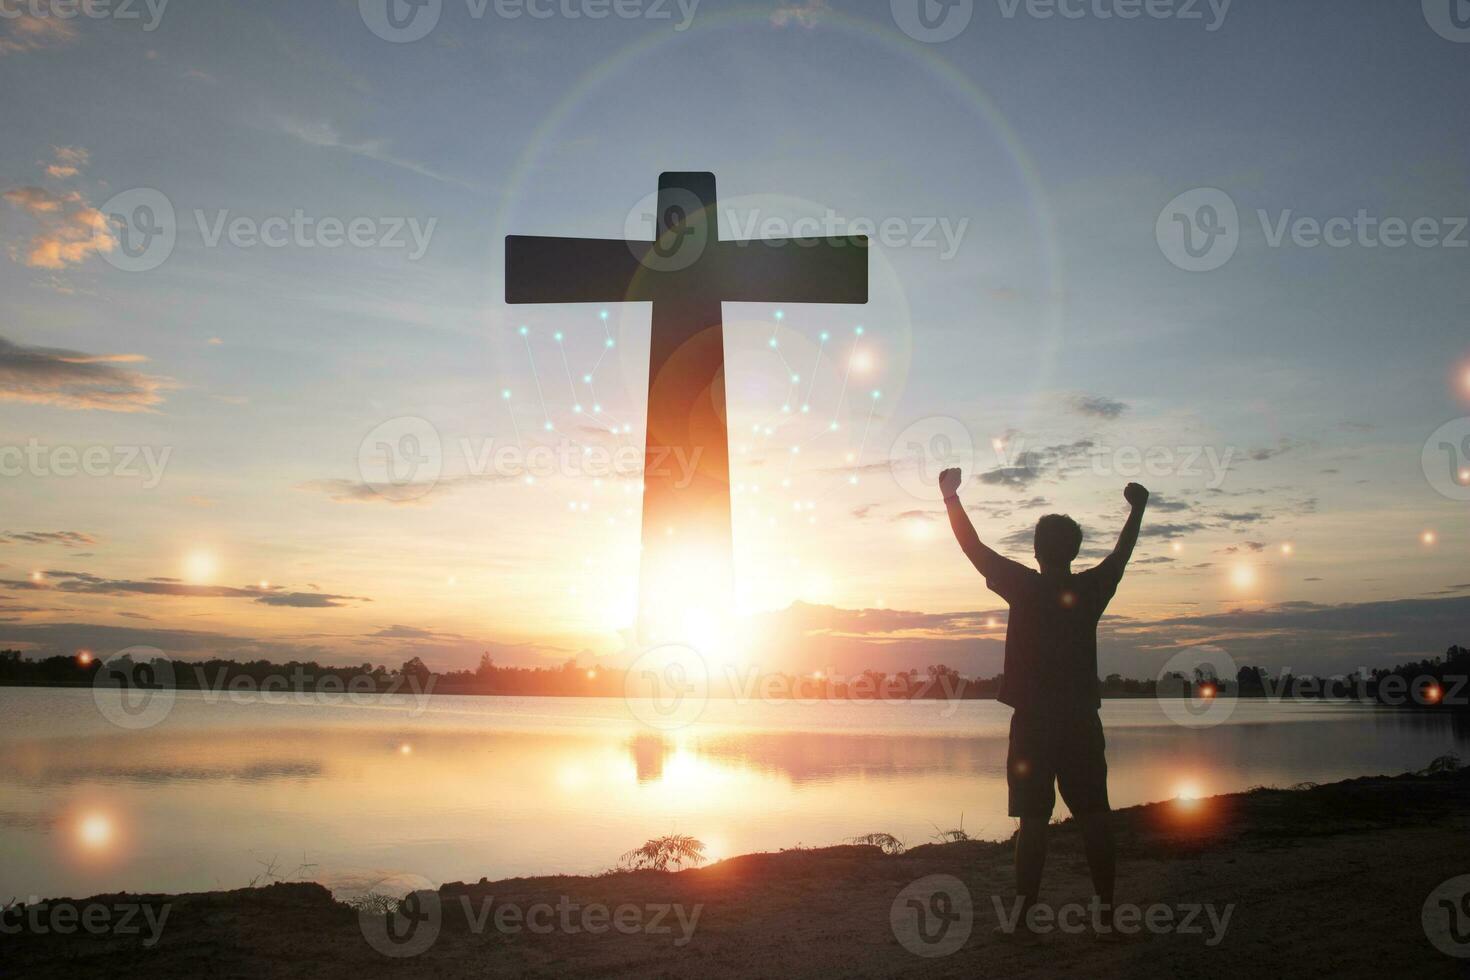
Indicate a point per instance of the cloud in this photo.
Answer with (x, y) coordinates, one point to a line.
(54, 638)
(1282, 447)
(70, 539)
(68, 162)
(412, 633)
(68, 228)
(358, 492)
(325, 136)
(1097, 406)
(26, 31)
(1171, 530)
(361, 492)
(1244, 516)
(86, 584)
(804, 14)
(1307, 637)
(1048, 462)
(71, 379)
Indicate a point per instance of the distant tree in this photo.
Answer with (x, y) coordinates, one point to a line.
(1250, 682)
(414, 667)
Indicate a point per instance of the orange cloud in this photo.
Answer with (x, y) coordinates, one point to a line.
(28, 32)
(70, 379)
(70, 228)
(68, 163)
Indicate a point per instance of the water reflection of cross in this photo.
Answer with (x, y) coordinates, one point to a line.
(686, 274)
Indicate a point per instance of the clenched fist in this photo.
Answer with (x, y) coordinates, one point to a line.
(949, 481)
(1134, 493)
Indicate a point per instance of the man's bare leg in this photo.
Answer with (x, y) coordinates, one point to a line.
(1030, 859)
(1097, 841)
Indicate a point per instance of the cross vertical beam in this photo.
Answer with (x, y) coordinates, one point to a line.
(686, 567)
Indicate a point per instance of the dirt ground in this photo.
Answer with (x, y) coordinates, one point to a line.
(1326, 881)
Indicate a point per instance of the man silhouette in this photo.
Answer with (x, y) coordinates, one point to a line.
(1050, 682)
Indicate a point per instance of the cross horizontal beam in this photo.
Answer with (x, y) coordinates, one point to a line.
(540, 269)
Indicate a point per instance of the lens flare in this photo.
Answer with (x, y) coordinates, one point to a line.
(95, 831)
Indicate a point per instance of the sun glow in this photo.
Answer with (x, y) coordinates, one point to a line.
(95, 831)
(200, 566)
(688, 598)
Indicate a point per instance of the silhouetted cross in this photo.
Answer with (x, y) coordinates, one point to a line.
(686, 274)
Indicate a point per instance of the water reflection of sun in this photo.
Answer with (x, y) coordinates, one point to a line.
(92, 835)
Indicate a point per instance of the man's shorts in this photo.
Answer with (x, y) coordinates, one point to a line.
(1065, 749)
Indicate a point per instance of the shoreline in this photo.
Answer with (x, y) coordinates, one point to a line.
(1328, 878)
(253, 696)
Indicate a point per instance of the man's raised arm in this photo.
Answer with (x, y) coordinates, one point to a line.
(1137, 498)
(985, 560)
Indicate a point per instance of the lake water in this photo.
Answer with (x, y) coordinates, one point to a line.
(221, 794)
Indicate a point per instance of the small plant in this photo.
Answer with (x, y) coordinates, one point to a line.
(951, 836)
(373, 903)
(662, 853)
(887, 843)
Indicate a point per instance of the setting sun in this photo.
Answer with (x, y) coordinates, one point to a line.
(95, 831)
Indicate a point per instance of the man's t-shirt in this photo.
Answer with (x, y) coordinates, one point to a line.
(1051, 641)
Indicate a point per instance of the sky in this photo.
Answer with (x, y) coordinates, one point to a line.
(1219, 249)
